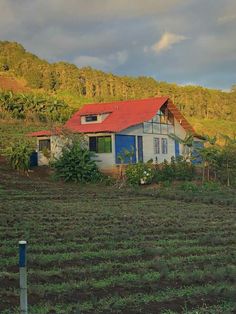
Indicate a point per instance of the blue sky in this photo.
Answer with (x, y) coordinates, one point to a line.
(182, 41)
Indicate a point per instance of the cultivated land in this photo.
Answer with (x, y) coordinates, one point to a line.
(102, 250)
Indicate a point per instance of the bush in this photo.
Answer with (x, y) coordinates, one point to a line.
(189, 187)
(18, 155)
(164, 172)
(76, 164)
(140, 173)
(183, 170)
(177, 169)
(211, 186)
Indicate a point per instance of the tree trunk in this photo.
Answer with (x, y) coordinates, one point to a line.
(228, 173)
(203, 172)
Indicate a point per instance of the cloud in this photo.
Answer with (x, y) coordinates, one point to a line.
(94, 62)
(126, 36)
(227, 19)
(105, 63)
(167, 41)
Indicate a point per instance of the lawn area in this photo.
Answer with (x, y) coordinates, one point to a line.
(99, 249)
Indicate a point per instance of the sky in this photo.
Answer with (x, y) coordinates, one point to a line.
(189, 42)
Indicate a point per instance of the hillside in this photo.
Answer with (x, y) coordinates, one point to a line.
(23, 71)
(12, 83)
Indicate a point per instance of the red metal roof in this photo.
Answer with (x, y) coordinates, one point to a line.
(46, 132)
(122, 115)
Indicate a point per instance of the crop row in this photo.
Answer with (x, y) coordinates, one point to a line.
(188, 296)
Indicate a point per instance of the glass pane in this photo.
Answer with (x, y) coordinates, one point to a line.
(156, 146)
(93, 144)
(156, 128)
(164, 146)
(91, 118)
(170, 129)
(104, 144)
(147, 127)
(107, 145)
(44, 144)
(164, 129)
(100, 145)
(156, 119)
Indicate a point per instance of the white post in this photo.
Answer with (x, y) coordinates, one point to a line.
(23, 278)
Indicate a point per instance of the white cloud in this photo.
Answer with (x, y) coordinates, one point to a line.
(95, 62)
(103, 63)
(167, 41)
(227, 19)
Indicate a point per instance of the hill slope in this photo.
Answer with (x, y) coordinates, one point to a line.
(80, 85)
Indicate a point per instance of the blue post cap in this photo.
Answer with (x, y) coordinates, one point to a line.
(22, 253)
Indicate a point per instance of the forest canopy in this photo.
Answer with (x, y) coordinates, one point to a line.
(93, 85)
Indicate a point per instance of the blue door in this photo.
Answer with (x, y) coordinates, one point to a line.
(176, 148)
(125, 145)
(140, 148)
(34, 159)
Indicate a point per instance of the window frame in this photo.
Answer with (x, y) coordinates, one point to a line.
(42, 147)
(96, 146)
(156, 145)
(164, 119)
(91, 118)
(164, 146)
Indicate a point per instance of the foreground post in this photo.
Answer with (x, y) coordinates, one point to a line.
(23, 278)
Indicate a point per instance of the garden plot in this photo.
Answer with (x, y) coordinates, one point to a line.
(99, 250)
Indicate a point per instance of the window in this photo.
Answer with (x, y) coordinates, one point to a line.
(156, 128)
(100, 144)
(164, 146)
(91, 118)
(44, 145)
(156, 145)
(161, 123)
(164, 128)
(147, 127)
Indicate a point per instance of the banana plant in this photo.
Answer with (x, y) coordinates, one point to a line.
(187, 143)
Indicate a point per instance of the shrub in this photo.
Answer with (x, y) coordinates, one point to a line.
(211, 186)
(164, 172)
(139, 173)
(183, 170)
(177, 169)
(76, 164)
(18, 155)
(189, 186)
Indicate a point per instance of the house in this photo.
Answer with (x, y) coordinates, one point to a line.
(140, 126)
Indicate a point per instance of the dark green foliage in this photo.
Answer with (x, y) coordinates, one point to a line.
(219, 162)
(76, 165)
(177, 169)
(18, 154)
(189, 186)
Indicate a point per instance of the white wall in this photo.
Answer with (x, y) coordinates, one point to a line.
(148, 142)
(57, 143)
(107, 160)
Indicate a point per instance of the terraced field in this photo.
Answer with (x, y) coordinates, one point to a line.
(101, 250)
